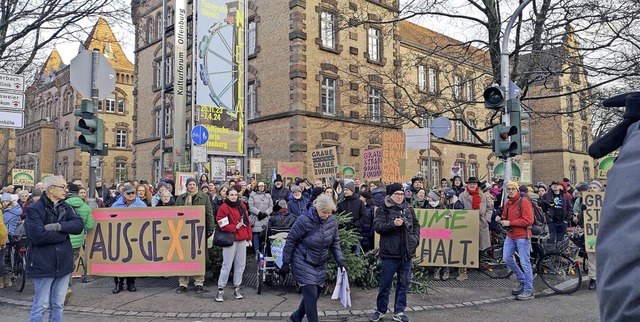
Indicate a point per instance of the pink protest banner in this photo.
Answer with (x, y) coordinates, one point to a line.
(164, 241)
(372, 164)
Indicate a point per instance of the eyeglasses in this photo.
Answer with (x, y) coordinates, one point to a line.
(61, 187)
(129, 193)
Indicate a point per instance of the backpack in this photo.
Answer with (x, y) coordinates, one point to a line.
(539, 227)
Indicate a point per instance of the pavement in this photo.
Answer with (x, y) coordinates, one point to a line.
(156, 297)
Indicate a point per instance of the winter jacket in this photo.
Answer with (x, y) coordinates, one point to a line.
(557, 207)
(281, 193)
(84, 211)
(281, 219)
(11, 218)
(355, 207)
(367, 229)
(485, 212)
(417, 203)
(49, 252)
(378, 195)
(297, 207)
(520, 217)
(119, 203)
(171, 202)
(259, 201)
(3, 235)
(200, 199)
(398, 242)
(235, 216)
(307, 248)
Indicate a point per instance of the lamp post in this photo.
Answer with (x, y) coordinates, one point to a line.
(35, 169)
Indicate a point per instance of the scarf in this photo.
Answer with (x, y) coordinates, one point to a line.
(188, 201)
(434, 204)
(236, 204)
(476, 200)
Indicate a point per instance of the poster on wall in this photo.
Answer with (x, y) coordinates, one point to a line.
(234, 168)
(218, 169)
(220, 79)
(393, 157)
(162, 241)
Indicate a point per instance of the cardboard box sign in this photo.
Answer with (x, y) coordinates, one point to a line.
(159, 241)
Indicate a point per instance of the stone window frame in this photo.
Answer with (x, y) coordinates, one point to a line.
(433, 89)
(159, 26)
(320, 78)
(323, 8)
(571, 139)
(434, 158)
(252, 98)
(469, 89)
(457, 88)
(573, 171)
(117, 128)
(381, 58)
(380, 90)
(423, 82)
(458, 138)
(585, 139)
(117, 169)
(256, 49)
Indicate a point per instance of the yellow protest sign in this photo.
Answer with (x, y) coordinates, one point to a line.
(593, 201)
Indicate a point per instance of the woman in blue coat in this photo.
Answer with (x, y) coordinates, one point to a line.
(307, 252)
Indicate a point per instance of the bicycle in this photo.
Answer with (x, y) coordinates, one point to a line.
(18, 257)
(557, 270)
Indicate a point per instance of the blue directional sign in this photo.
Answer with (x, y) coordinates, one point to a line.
(199, 135)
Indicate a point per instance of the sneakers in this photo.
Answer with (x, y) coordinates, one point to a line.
(181, 289)
(462, 275)
(376, 316)
(519, 289)
(220, 296)
(400, 317)
(236, 294)
(526, 295)
(67, 297)
(199, 289)
(444, 275)
(592, 284)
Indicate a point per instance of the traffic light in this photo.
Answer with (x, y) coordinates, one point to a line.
(494, 98)
(516, 116)
(90, 128)
(502, 147)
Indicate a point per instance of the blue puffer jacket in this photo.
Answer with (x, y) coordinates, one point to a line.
(120, 203)
(307, 248)
(50, 253)
(297, 207)
(11, 218)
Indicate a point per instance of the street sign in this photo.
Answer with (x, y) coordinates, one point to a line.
(11, 120)
(81, 67)
(199, 135)
(11, 82)
(199, 154)
(418, 138)
(441, 127)
(11, 101)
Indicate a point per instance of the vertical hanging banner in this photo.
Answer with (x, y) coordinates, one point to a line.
(180, 80)
(220, 77)
(393, 157)
(593, 201)
(325, 162)
(372, 164)
(163, 241)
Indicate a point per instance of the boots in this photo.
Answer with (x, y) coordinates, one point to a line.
(462, 274)
(118, 288)
(6, 280)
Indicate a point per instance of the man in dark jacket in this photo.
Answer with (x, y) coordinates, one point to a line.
(352, 205)
(48, 224)
(399, 231)
(378, 193)
(297, 205)
(195, 197)
(279, 191)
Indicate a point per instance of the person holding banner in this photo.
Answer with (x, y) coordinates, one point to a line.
(472, 198)
(84, 211)
(195, 197)
(399, 230)
(128, 199)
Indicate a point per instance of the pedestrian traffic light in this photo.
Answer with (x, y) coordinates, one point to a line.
(90, 128)
(502, 147)
(494, 97)
(516, 116)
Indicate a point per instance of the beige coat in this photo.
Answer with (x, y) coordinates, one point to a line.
(486, 208)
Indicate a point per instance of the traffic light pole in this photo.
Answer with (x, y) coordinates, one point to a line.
(504, 81)
(91, 200)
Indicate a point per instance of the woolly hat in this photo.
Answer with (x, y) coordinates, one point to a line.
(73, 188)
(414, 179)
(597, 184)
(295, 188)
(449, 193)
(394, 187)
(204, 185)
(190, 180)
(419, 174)
(6, 197)
(36, 193)
(366, 194)
(582, 186)
(171, 182)
(278, 178)
(513, 184)
(317, 191)
(350, 185)
(523, 188)
(161, 184)
(434, 195)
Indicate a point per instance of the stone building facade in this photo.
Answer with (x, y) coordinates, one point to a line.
(48, 136)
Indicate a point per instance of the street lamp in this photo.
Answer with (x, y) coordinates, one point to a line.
(35, 170)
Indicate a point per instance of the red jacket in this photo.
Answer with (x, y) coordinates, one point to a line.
(520, 217)
(244, 233)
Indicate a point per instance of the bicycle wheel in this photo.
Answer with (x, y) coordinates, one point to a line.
(492, 264)
(560, 273)
(18, 272)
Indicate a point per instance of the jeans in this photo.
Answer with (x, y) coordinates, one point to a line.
(523, 247)
(235, 255)
(308, 305)
(197, 280)
(3, 253)
(49, 293)
(256, 241)
(557, 230)
(391, 267)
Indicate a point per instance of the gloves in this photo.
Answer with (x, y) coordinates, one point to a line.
(285, 269)
(53, 227)
(262, 215)
(583, 207)
(342, 266)
(209, 233)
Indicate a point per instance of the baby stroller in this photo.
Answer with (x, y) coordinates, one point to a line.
(270, 257)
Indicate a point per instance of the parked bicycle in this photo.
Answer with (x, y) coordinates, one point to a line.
(18, 256)
(557, 270)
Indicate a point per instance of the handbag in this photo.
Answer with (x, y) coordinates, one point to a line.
(223, 238)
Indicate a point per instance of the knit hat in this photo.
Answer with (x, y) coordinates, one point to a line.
(534, 197)
(394, 187)
(523, 188)
(596, 183)
(316, 192)
(128, 188)
(472, 180)
(282, 203)
(414, 179)
(171, 182)
(582, 186)
(73, 188)
(36, 193)
(278, 178)
(419, 174)
(6, 197)
(513, 184)
(204, 185)
(350, 185)
(295, 188)
(433, 195)
(366, 194)
(449, 193)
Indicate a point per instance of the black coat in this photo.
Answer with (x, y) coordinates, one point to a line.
(355, 207)
(398, 242)
(279, 194)
(50, 253)
(378, 195)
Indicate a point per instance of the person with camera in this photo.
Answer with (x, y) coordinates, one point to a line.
(517, 218)
(399, 231)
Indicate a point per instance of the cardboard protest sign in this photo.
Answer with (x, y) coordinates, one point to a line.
(289, 171)
(393, 155)
(162, 241)
(181, 185)
(325, 162)
(448, 237)
(593, 201)
(372, 164)
(348, 171)
(79, 268)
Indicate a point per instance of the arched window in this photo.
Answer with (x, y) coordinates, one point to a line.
(571, 139)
